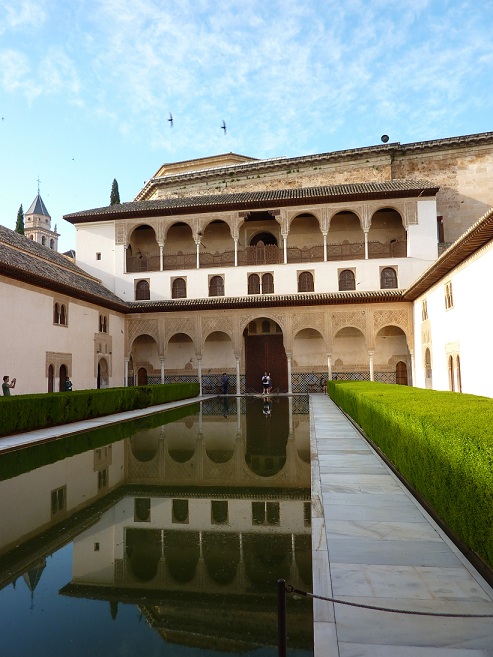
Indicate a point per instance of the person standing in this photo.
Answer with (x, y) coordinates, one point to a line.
(265, 384)
(225, 383)
(68, 385)
(7, 385)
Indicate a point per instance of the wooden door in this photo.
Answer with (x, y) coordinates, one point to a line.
(265, 353)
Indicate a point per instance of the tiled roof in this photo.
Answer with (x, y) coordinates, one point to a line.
(267, 301)
(38, 207)
(259, 199)
(28, 261)
(473, 239)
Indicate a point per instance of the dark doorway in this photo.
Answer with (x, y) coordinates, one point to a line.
(63, 377)
(142, 377)
(51, 378)
(264, 352)
(401, 374)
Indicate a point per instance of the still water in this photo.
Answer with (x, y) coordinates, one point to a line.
(164, 536)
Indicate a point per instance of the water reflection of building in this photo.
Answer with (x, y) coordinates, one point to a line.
(183, 515)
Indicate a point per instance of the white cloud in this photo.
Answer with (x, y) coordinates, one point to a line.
(17, 14)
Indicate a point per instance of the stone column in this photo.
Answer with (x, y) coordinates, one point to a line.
(162, 369)
(290, 387)
(285, 246)
(198, 253)
(413, 369)
(370, 355)
(325, 245)
(125, 380)
(236, 252)
(329, 367)
(366, 244)
(161, 256)
(237, 358)
(199, 372)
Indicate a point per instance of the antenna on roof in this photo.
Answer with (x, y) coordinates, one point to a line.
(38, 183)
(384, 138)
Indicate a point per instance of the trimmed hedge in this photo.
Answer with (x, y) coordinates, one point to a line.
(24, 460)
(22, 413)
(440, 442)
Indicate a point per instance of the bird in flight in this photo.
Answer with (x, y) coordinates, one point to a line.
(170, 120)
(223, 127)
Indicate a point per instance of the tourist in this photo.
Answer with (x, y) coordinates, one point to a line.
(265, 384)
(225, 383)
(6, 385)
(68, 385)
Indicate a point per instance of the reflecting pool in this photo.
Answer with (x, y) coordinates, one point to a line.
(163, 536)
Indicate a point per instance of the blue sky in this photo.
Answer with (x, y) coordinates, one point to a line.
(86, 86)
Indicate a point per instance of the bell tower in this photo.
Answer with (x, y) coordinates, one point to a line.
(37, 224)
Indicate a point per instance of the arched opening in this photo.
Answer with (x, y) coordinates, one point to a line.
(459, 377)
(350, 354)
(180, 356)
(63, 315)
(182, 553)
(142, 291)
(56, 314)
(221, 556)
(146, 363)
(142, 250)
(401, 373)
(216, 286)
(51, 378)
(390, 350)
(180, 250)
(143, 552)
(217, 357)
(142, 379)
(428, 370)
(305, 282)
(63, 377)
(267, 284)
(309, 360)
(103, 377)
(387, 235)
(345, 237)
(264, 352)
(388, 278)
(254, 284)
(144, 445)
(217, 245)
(347, 280)
(305, 242)
(179, 289)
(263, 239)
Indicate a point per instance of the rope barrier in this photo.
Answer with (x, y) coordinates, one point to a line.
(291, 589)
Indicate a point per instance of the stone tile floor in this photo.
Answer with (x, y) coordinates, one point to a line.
(373, 544)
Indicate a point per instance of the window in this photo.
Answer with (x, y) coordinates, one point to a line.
(52, 244)
(219, 512)
(180, 511)
(43, 240)
(459, 378)
(142, 291)
(347, 280)
(216, 286)
(179, 289)
(98, 256)
(451, 378)
(267, 284)
(142, 509)
(252, 328)
(305, 282)
(307, 513)
(103, 324)
(265, 513)
(60, 314)
(102, 479)
(58, 500)
(449, 300)
(254, 284)
(424, 310)
(388, 278)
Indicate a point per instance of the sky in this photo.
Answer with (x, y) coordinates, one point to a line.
(87, 86)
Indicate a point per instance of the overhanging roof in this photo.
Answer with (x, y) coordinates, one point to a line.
(388, 189)
(473, 239)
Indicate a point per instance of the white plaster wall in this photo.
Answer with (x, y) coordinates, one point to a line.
(26, 322)
(466, 325)
(98, 238)
(32, 494)
(422, 240)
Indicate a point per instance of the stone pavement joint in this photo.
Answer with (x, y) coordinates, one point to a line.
(373, 545)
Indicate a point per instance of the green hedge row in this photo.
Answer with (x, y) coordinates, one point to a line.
(24, 460)
(22, 413)
(440, 442)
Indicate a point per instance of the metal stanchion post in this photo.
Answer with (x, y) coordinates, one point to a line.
(281, 618)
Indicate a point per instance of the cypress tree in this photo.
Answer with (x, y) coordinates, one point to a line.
(115, 194)
(19, 225)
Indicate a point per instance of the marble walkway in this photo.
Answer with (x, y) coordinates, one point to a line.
(374, 544)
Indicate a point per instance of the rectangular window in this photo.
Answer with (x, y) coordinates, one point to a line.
(142, 509)
(180, 511)
(424, 310)
(98, 256)
(103, 479)
(265, 513)
(58, 500)
(219, 512)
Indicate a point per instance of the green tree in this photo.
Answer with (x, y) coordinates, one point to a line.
(19, 225)
(115, 194)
